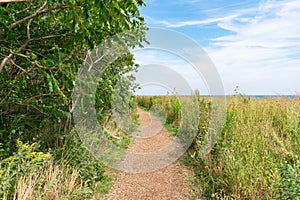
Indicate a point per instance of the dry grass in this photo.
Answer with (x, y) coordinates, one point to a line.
(258, 137)
(52, 183)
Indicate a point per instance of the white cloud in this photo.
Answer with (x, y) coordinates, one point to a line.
(260, 54)
(221, 14)
(191, 22)
(178, 72)
(278, 28)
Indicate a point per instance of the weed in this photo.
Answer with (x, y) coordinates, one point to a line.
(258, 136)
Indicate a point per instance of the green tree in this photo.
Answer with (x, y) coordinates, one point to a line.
(42, 46)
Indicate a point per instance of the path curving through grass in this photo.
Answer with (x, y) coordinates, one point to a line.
(166, 183)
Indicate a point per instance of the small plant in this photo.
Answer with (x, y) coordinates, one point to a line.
(90, 169)
(53, 182)
(290, 183)
(26, 160)
(29, 174)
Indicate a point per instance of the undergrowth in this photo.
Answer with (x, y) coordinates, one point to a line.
(257, 155)
(71, 173)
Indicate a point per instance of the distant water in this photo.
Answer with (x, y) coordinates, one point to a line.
(252, 96)
(261, 96)
(272, 96)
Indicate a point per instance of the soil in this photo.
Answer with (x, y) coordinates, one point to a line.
(164, 183)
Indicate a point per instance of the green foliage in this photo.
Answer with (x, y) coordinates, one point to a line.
(42, 47)
(170, 104)
(144, 102)
(290, 184)
(114, 87)
(244, 163)
(29, 170)
(26, 160)
(73, 154)
(250, 161)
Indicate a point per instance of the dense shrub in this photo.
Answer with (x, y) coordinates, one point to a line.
(43, 45)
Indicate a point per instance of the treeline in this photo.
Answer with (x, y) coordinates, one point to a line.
(42, 46)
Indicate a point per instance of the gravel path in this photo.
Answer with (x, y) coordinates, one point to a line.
(166, 183)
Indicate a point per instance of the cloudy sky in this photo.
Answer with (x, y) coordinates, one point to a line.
(254, 44)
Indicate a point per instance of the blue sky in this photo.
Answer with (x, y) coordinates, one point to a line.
(254, 44)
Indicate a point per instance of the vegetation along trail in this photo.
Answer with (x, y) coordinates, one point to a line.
(166, 183)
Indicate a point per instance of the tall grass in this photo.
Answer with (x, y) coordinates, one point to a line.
(53, 182)
(257, 154)
(168, 106)
(30, 174)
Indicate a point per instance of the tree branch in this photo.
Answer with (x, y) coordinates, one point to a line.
(17, 54)
(42, 67)
(28, 8)
(4, 61)
(50, 36)
(11, 1)
(28, 29)
(38, 96)
(11, 60)
(40, 11)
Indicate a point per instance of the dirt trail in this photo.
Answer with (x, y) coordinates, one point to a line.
(167, 183)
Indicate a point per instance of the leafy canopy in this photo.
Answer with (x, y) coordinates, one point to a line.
(42, 46)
